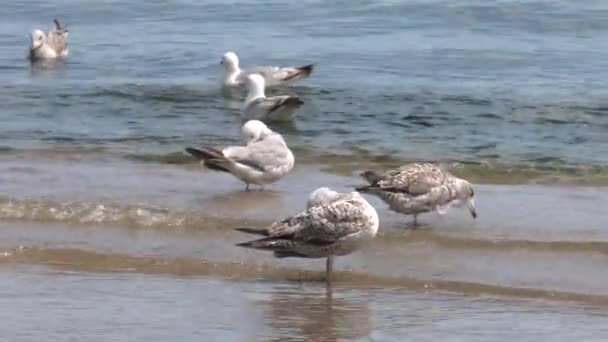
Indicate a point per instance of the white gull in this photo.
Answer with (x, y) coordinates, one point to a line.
(273, 76)
(49, 46)
(264, 159)
(274, 108)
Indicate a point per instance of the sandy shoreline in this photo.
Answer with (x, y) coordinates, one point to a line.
(182, 196)
(525, 237)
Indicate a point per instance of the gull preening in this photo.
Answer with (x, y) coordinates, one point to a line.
(274, 108)
(420, 188)
(273, 76)
(334, 224)
(264, 159)
(49, 45)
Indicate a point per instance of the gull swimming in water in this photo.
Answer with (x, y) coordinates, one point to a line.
(51, 45)
(273, 76)
(334, 224)
(419, 188)
(264, 159)
(274, 108)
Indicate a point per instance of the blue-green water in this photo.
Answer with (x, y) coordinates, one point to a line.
(498, 81)
(109, 230)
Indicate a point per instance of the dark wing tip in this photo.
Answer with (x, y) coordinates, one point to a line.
(290, 101)
(211, 158)
(245, 244)
(302, 71)
(266, 244)
(204, 152)
(307, 69)
(195, 152)
(215, 165)
(364, 188)
(255, 231)
(294, 100)
(288, 254)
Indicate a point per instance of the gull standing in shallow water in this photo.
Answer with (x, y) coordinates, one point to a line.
(273, 76)
(419, 188)
(51, 45)
(333, 224)
(259, 107)
(264, 159)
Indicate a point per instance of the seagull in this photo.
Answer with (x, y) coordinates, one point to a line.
(419, 188)
(334, 224)
(49, 46)
(264, 159)
(274, 108)
(274, 76)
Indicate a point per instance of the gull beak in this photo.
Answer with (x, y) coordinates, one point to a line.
(471, 205)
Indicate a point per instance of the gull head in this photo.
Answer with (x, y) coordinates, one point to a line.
(254, 130)
(465, 195)
(321, 196)
(230, 61)
(37, 38)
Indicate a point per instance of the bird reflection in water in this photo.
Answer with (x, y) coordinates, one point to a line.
(301, 314)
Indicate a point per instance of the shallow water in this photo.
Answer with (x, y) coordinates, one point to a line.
(513, 86)
(156, 308)
(109, 231)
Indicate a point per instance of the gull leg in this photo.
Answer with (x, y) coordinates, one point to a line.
(247, 187)
(329, 266)
(415, 223)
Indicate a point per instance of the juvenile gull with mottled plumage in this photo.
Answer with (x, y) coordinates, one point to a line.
(333, 224)
(419, 188)
(274, 108)
(264, 159)
(51, 45)
(273, 76)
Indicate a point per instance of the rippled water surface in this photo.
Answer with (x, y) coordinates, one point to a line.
(109, 231)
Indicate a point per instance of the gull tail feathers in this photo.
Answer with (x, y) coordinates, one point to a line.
(212, 158)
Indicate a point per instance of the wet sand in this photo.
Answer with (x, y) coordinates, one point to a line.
(69, 305)
(86, 245)
(135, 238)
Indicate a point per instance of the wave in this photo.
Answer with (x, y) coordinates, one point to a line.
(100, 213)
(157, 93)
(175, 158)
(350, 161)
(453, 242)
(72, 259)
(143, 217)
(489, 170)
